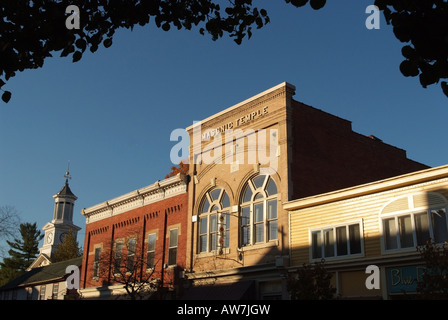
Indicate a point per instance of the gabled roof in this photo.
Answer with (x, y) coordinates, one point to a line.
(46, 274)
(41, 261)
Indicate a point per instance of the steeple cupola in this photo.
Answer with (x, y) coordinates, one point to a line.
(62, 223)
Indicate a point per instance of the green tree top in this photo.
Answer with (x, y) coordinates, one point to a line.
(67, 249)
(22, 253)
(25, 250)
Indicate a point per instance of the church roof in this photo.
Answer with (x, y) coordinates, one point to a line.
(65, 191)
(53, 272)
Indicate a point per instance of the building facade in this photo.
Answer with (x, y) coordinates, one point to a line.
(47, 282)
(45, 279)
(376, 224)
(245, 162)
(233, 232)
(137, 236)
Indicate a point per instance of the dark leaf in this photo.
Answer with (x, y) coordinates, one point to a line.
(409, 68)
(67, 51)
(107, 42)
(77, 56)
(444, 85)
(2, 83)
(317, 4)
(81, 44)
(6, 96)
(166, 26)
(428, 77)
(299, 3)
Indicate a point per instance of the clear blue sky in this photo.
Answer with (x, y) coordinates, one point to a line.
(111, 114)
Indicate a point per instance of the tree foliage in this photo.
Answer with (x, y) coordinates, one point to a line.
(67, 249)
(22, 253)
(182, 168)
(423, 26)
(33, 31)
(433, 283)
(311, 282)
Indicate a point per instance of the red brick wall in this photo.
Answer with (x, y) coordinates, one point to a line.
(327, 155)
(138, 222)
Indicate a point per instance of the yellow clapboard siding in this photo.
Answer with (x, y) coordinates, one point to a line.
(366, 208)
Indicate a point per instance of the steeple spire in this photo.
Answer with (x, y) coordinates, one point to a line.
(67, 173)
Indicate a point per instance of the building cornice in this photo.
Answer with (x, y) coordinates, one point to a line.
(285, 85)
(158, 191)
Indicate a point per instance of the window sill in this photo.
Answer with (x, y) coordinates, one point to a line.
(212, 253)
(272, 243)
(339, 258)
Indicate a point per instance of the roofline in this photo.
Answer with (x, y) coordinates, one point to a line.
(369, 188)
(168, 183)
(281, 85)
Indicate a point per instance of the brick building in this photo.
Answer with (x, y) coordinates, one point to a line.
(232, 230)
(140, 235)
(245, 162)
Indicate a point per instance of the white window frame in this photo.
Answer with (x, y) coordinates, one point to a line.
(251, 226)
(131, 248)
(210, 232)
(411, 213)
(96, 262)
(173, 244)
(334, 227)
(151, 251)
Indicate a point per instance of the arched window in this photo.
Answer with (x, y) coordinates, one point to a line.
(411, 220)
(214, 221)
(259, 219)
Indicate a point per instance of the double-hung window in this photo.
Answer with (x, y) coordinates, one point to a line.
(172, 246)
(336, 241)
(118, 256)
(130, 258)
(96, 263)
(151, 252)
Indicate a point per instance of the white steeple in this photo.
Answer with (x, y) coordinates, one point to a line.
(64, 202)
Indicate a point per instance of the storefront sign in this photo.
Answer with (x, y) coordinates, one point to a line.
(404, 279)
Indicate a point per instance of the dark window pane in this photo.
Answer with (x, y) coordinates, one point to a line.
(205, 205)
(439, 225)
(215, 194)
(390, 234)
(421, 228)
(247, 194)
(225, 200)
(341, 241)
(271, 188)
(245, 226)
(258, 181)
(273, 230)
(355, 239)
(329, 243)
(406, 237)
(316, 245)
(172, 256)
